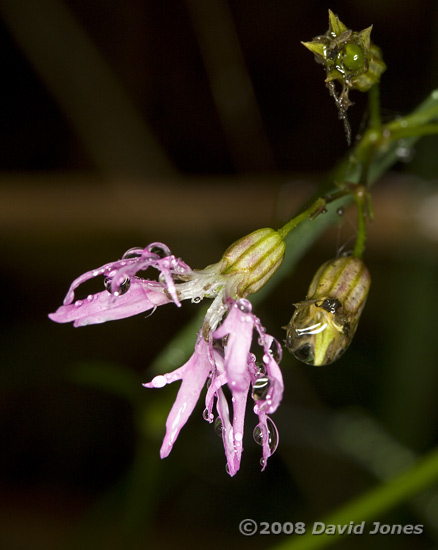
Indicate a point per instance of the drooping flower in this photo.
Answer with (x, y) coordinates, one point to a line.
(223, 352)
(226, 360)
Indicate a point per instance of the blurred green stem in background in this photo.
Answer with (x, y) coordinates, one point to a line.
(373, 503)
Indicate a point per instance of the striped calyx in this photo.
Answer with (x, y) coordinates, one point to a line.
(323, 325)
(251, 261)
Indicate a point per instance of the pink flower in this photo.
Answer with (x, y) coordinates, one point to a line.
(223, 352)
(226, 359)
(126, 293)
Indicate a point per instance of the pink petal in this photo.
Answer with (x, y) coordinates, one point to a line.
(194, 374)
(103, 306)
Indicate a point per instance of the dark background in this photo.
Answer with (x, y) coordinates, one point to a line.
(194, 123)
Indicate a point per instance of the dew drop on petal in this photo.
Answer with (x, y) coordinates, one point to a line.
(132, 253)
(90, 298)
(218, 428)
(78, 303)
(257, 434)
(159, 249)
(122, 288)
(208, 416)
(261, 368)
(275, 350)
(196, 300)
(238, 436)
(260, 388)
(227, 469)
(269, 430)
(159, 381)
(244, 305)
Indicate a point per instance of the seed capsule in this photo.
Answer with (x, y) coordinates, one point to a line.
(323, 325)
(349, 58)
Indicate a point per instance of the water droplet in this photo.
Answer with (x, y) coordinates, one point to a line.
(269, 431)
(260, 388)
(159, 249)
(244, 305)
(227, 469)
(90, 298)
(132, 253)
(340, 211)
(261, 368)
(159, 381)
(275, 350)
(208, 416)
(238, 436)
(262, 461)
(329, 304)
(122, 288)
(403, 152)
(196, 300)
(218, 428)
(78, 303)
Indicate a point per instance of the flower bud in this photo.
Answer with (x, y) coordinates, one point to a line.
(323, 326)
(252, 260)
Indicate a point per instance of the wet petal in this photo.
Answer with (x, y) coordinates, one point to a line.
(266, 435)
(238, 326)
(193, 374)
(239, 408)
(103, 306)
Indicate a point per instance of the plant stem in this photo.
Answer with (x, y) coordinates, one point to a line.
(317, 207)
(359, 246)
(374, 107)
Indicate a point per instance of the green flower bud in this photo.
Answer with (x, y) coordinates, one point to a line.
(251, 261)
(323, 326)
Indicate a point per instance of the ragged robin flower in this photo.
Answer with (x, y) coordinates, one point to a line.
(223, 353)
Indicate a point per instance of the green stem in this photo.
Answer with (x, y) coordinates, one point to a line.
(374, 107)
(359, 246)
(372, 504)
(317, 207)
